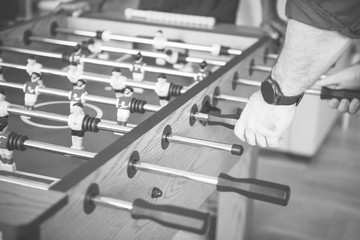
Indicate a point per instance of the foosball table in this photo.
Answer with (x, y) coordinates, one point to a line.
(121, 130)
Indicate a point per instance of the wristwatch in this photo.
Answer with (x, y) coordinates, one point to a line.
(272, 94)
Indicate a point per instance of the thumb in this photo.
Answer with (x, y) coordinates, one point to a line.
(332, 80)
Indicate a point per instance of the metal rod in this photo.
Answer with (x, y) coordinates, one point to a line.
(58, 149)
(234, 51)
(174, 172)
(100, 62)
(38, 176)
(64, 119)
(125, 50)
(53, 41)
(273, 56)
(112, 202)
(199, 142)
(261, 68)
(38, 114)
(75, 32)
(146, 41)
(25, 182)
(231, 98)
(255, 83)
(32, 52)
(201, 116)
(87, 97)
(113, 127)
(87, 76)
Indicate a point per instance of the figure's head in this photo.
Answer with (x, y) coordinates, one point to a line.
(2, 94)
(159, 33)
(162, 78)
(81, 84)
(169, 52)
(3, 124)
(128, 91)
(78, 108)
(116, 71)
(73, 66)
(35, 76)
(203, 65)
(31, 59)
(138, 57)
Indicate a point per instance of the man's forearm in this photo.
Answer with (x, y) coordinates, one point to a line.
(307, 53)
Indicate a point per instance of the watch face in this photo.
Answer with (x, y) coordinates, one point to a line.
(268, 92)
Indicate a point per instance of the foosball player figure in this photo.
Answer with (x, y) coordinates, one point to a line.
(173, 58)
(6, 162)
(202, 73)
(75, 121)
(31, 90)
(33, 66)
(2, 79)
(76, 95)
(123, 106)
(30, 64)
(74, 73)
(117, 82)
(159, 45)
(162, 89)
(94, 46)
(138, 71)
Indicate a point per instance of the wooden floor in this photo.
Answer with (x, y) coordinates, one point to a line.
(325, 200)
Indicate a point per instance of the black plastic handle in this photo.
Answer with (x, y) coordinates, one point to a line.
(225, 120)
(172, 216)
(328, 93)
(255, 189)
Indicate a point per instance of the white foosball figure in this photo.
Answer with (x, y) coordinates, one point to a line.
(2, 79)
(117, 82)
(123, 106)
(31, 90)
(6, 162)
(103, 55)
(74, 73)
(75, 121)
(172, 57)
(33, 66)
(162, 87)
(159, 45)
(76, 95)
(30, 63)
(94, 46)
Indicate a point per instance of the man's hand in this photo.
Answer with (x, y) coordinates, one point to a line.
(263, 124)
(348, 78)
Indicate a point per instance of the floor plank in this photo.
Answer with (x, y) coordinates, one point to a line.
(325, 200)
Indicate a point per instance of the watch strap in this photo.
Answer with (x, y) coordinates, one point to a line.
(286, 100)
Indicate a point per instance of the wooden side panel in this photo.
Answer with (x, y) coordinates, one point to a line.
(22, 209)
(72, 223)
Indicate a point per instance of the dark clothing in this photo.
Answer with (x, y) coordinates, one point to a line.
(223, 10)
(336, 15)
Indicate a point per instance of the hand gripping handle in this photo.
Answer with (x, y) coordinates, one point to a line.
(255, 189)
(225, 120)
(328, 93)
(172, 216)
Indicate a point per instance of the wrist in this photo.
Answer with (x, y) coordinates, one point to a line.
(289, 85)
